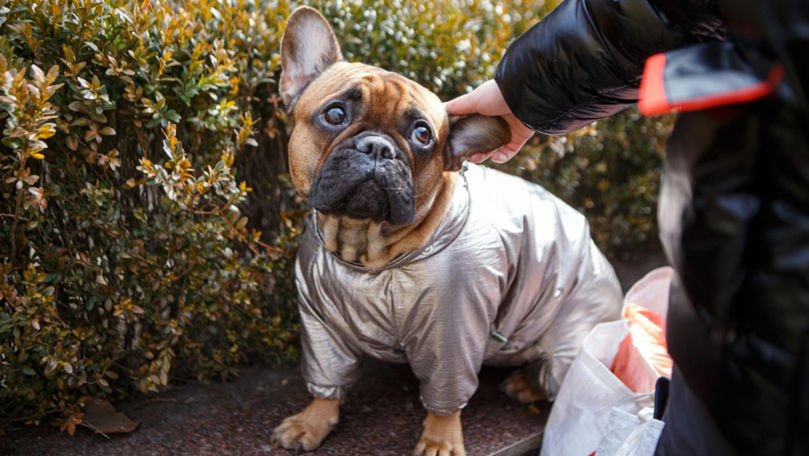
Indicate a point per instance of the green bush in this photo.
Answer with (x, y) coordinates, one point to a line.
(127, 256)
(147, 226)
(610, 171)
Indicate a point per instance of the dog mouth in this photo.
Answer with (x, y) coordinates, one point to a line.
(366, 177)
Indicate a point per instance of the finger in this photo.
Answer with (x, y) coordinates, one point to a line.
(504, 154)
(513, 147)
(419, 450)
(499, 157)
(465, 104)
(480, 157)
(486, 99)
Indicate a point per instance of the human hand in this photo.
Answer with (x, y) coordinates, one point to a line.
(487, 100)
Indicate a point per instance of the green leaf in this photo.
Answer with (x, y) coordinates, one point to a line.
(172, 116)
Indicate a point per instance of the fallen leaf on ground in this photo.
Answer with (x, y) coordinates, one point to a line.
(102, 418)
(70, 423)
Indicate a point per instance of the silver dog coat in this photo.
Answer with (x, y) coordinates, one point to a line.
(509, 277)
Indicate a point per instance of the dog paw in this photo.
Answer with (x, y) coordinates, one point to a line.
(442, 436)
(517, 387)
(307, 429)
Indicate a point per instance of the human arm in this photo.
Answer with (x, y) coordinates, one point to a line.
(583, 62)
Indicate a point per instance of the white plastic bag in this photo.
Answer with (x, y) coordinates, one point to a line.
(580, 415)
(630, 435)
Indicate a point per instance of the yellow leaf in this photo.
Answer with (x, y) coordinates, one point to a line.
(53, 72)
(46, 131)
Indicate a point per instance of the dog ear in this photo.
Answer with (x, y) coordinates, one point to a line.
(473, 134)
(308, 47)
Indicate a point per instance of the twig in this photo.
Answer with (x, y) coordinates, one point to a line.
(16, 222)
(3, 214)
(94, 429)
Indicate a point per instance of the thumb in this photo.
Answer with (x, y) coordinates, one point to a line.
(465, 104)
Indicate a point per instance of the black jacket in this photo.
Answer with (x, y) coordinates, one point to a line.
(736, 193)
(585, 60)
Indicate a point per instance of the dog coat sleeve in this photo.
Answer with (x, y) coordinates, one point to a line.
(445, 345)
(329, 360)
(329, 364)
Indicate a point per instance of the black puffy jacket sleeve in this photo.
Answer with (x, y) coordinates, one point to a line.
(584, 61)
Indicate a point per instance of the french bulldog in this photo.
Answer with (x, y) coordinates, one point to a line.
(413, 255)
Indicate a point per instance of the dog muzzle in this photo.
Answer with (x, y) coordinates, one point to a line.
(366, 177)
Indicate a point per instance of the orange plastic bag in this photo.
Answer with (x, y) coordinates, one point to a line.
(600, 383)
(644, 346)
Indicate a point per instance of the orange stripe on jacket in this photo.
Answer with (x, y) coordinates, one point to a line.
(653, 100)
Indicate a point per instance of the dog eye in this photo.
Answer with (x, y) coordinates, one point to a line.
(334, 115)
(421, 134)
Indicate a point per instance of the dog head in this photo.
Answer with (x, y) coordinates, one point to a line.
(367, 143)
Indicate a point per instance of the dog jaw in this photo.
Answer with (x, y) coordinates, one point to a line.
(375, 244)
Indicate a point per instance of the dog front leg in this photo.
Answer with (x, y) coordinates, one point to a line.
(309, 427)
(442, 436)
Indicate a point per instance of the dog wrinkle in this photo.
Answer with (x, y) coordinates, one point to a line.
(375, 243)
(330, 228)
(354, 240)
(381, 90)
(352, 237)
(402, 95)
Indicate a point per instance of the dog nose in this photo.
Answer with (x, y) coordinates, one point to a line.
(378, 146)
